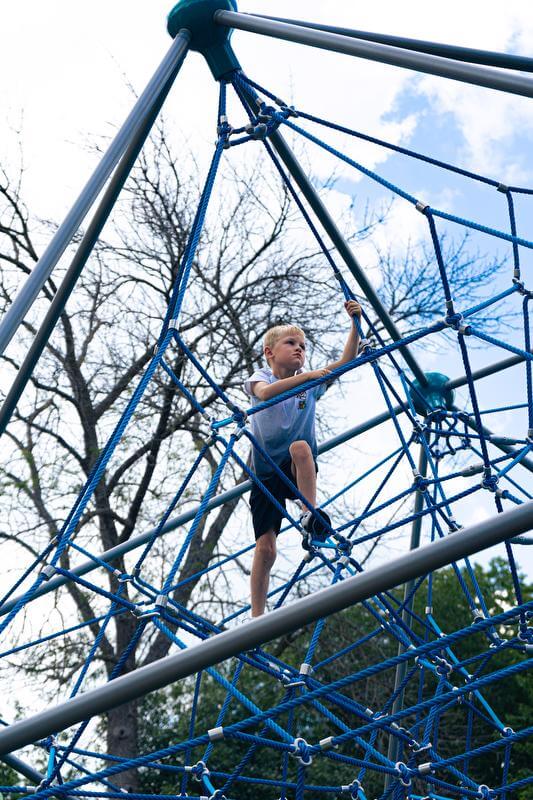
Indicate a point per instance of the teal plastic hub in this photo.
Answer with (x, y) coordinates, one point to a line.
(433, 396)
(207, 38)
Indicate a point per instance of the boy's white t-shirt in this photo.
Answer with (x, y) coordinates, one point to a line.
(278, 426)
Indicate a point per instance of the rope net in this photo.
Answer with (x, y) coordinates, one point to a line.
(303, 727)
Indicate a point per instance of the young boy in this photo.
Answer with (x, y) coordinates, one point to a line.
(286, 431)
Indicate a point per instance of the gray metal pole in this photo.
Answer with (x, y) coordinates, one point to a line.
(401, 668)
(43, 269)
(268, 627)
(27, 771)
(86, 246)
(488, 58)
(421, 62)
(114, 553)
(344, 250)
(120, 550)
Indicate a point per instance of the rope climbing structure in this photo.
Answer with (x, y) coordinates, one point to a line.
(282, 729)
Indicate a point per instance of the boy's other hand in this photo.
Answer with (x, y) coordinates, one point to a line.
(318, 373)
(353, 308)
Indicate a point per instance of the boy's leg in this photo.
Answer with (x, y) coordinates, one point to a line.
(264, 557)
(304, 470)
(318, 522)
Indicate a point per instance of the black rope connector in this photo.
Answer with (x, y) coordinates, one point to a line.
(490, 482)
(289, 111)
(239, 417)
(420, 483)
(521, 289)
(454, 320)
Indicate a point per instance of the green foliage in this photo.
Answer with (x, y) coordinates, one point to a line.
(165, 716)
(8, 777)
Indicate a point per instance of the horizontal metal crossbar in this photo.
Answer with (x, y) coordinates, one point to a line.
(385, 54)
(263, 629)
(114, 553)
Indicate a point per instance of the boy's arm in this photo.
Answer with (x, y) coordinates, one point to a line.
(352, 343)
(266, 391)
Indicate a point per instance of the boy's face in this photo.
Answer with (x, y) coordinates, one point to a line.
(288, 352)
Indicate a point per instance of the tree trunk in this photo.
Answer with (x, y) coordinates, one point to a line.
(122, 741)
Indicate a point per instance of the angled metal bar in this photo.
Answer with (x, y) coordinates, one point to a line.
(396, 56)
(23, 769)
(484, 372)
(84, 251)
(27, 771)
(488, 58)
(401, 668)
(114, 553)
(344, 250)
(44, 267)
(264, 629)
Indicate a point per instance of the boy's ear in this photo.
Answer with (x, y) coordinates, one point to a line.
(267, 352)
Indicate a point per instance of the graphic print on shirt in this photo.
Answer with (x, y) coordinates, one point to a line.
(276, 427)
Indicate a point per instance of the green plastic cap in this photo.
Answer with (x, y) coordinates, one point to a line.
(433, 396)
(207, 38)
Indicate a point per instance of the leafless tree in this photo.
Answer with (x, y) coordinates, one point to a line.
(254, 267)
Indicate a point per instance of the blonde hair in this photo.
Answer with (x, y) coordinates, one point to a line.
(275, 334)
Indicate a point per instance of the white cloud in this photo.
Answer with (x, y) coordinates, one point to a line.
(67, 72)
(489, 121)
(489, 126)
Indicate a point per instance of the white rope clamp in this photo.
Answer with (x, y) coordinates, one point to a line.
(306, 762)
(47, 572)
(327, 744)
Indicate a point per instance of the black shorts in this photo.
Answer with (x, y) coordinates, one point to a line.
(265, 516)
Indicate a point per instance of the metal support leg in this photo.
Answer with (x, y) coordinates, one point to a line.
(268, 627)
(43, 269)
(401, 669)
(23, 769)
(396, 56)
(85, 248)
(344, 250)
(114, 553)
